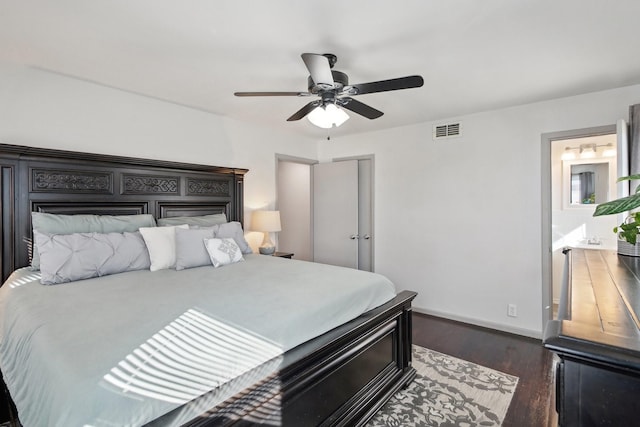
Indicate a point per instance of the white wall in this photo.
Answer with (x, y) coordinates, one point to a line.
(459, 220)
(43, 109)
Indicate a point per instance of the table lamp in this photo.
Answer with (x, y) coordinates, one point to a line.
(267, 222)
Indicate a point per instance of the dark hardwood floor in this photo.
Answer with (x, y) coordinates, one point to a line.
(532, 403)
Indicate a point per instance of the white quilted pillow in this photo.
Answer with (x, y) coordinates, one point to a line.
(223, 251)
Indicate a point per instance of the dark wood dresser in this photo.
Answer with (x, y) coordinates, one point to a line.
(597, 339)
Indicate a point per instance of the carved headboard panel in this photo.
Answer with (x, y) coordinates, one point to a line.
(65, 182)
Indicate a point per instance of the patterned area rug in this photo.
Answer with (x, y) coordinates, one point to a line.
(449, 392)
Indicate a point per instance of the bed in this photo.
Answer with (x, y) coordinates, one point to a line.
(336, 372)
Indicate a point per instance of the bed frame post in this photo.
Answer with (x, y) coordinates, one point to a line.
(7, 217)
(7, 408)
(239, 196)
(407, 336)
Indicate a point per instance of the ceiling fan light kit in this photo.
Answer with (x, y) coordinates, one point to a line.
(328, 116)
(333, 88)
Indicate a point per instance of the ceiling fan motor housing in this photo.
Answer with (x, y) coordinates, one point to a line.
(331, 58)
(340, 80)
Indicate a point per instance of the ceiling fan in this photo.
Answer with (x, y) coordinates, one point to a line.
(334, 90)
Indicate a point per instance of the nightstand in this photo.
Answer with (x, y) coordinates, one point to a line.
(283, 254)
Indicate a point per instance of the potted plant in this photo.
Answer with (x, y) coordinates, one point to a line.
(630, 228)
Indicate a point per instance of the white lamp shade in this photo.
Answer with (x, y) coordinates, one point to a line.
(268, 221)
(328, 116)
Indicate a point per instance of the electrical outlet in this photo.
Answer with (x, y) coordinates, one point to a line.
(512, 310)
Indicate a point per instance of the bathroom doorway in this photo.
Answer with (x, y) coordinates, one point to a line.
(573, 163)
(583, 174)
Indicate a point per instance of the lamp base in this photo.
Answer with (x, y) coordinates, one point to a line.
(267, 250)
(267, 247)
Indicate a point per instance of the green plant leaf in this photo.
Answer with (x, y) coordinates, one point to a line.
(628, 178)
(618, 206)
(631, 237)
(629, 226)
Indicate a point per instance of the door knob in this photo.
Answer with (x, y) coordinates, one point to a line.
(354, 237)
(367, 237)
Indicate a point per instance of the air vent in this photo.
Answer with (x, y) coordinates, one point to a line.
(450, 130)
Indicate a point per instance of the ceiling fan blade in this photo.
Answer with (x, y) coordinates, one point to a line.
(385, 85)
(272, 94)
(319, 68)
(304, 111)
(360, 108)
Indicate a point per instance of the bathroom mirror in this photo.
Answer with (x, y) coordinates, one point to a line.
(587, 182)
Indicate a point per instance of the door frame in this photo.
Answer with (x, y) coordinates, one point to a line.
(546, 213)
(303, 161)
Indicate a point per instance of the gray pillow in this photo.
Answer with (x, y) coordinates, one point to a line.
(70, 257)
(234, 230)
(201, 221)
(190, 248)
(85, 223)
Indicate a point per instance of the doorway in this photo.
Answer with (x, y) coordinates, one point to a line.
(307, 229)
(568, 199)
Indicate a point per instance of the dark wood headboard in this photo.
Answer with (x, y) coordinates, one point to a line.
(65, 182)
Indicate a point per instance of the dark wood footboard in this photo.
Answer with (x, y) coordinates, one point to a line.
(341, 378)
(355, 371)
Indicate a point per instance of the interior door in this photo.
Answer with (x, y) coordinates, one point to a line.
(335, 213)
(365, 212)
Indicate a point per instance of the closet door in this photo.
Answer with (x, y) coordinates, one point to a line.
(335, 213)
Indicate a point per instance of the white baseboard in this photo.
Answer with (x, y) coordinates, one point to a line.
(491, 325)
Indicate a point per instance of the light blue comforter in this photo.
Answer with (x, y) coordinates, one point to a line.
(128, 348)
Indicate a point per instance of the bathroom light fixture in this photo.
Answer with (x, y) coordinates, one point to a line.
(588, 151)
(568, 154)
(327, 116)
(609, 151)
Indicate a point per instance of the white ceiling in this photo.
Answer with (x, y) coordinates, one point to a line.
(474, 55)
